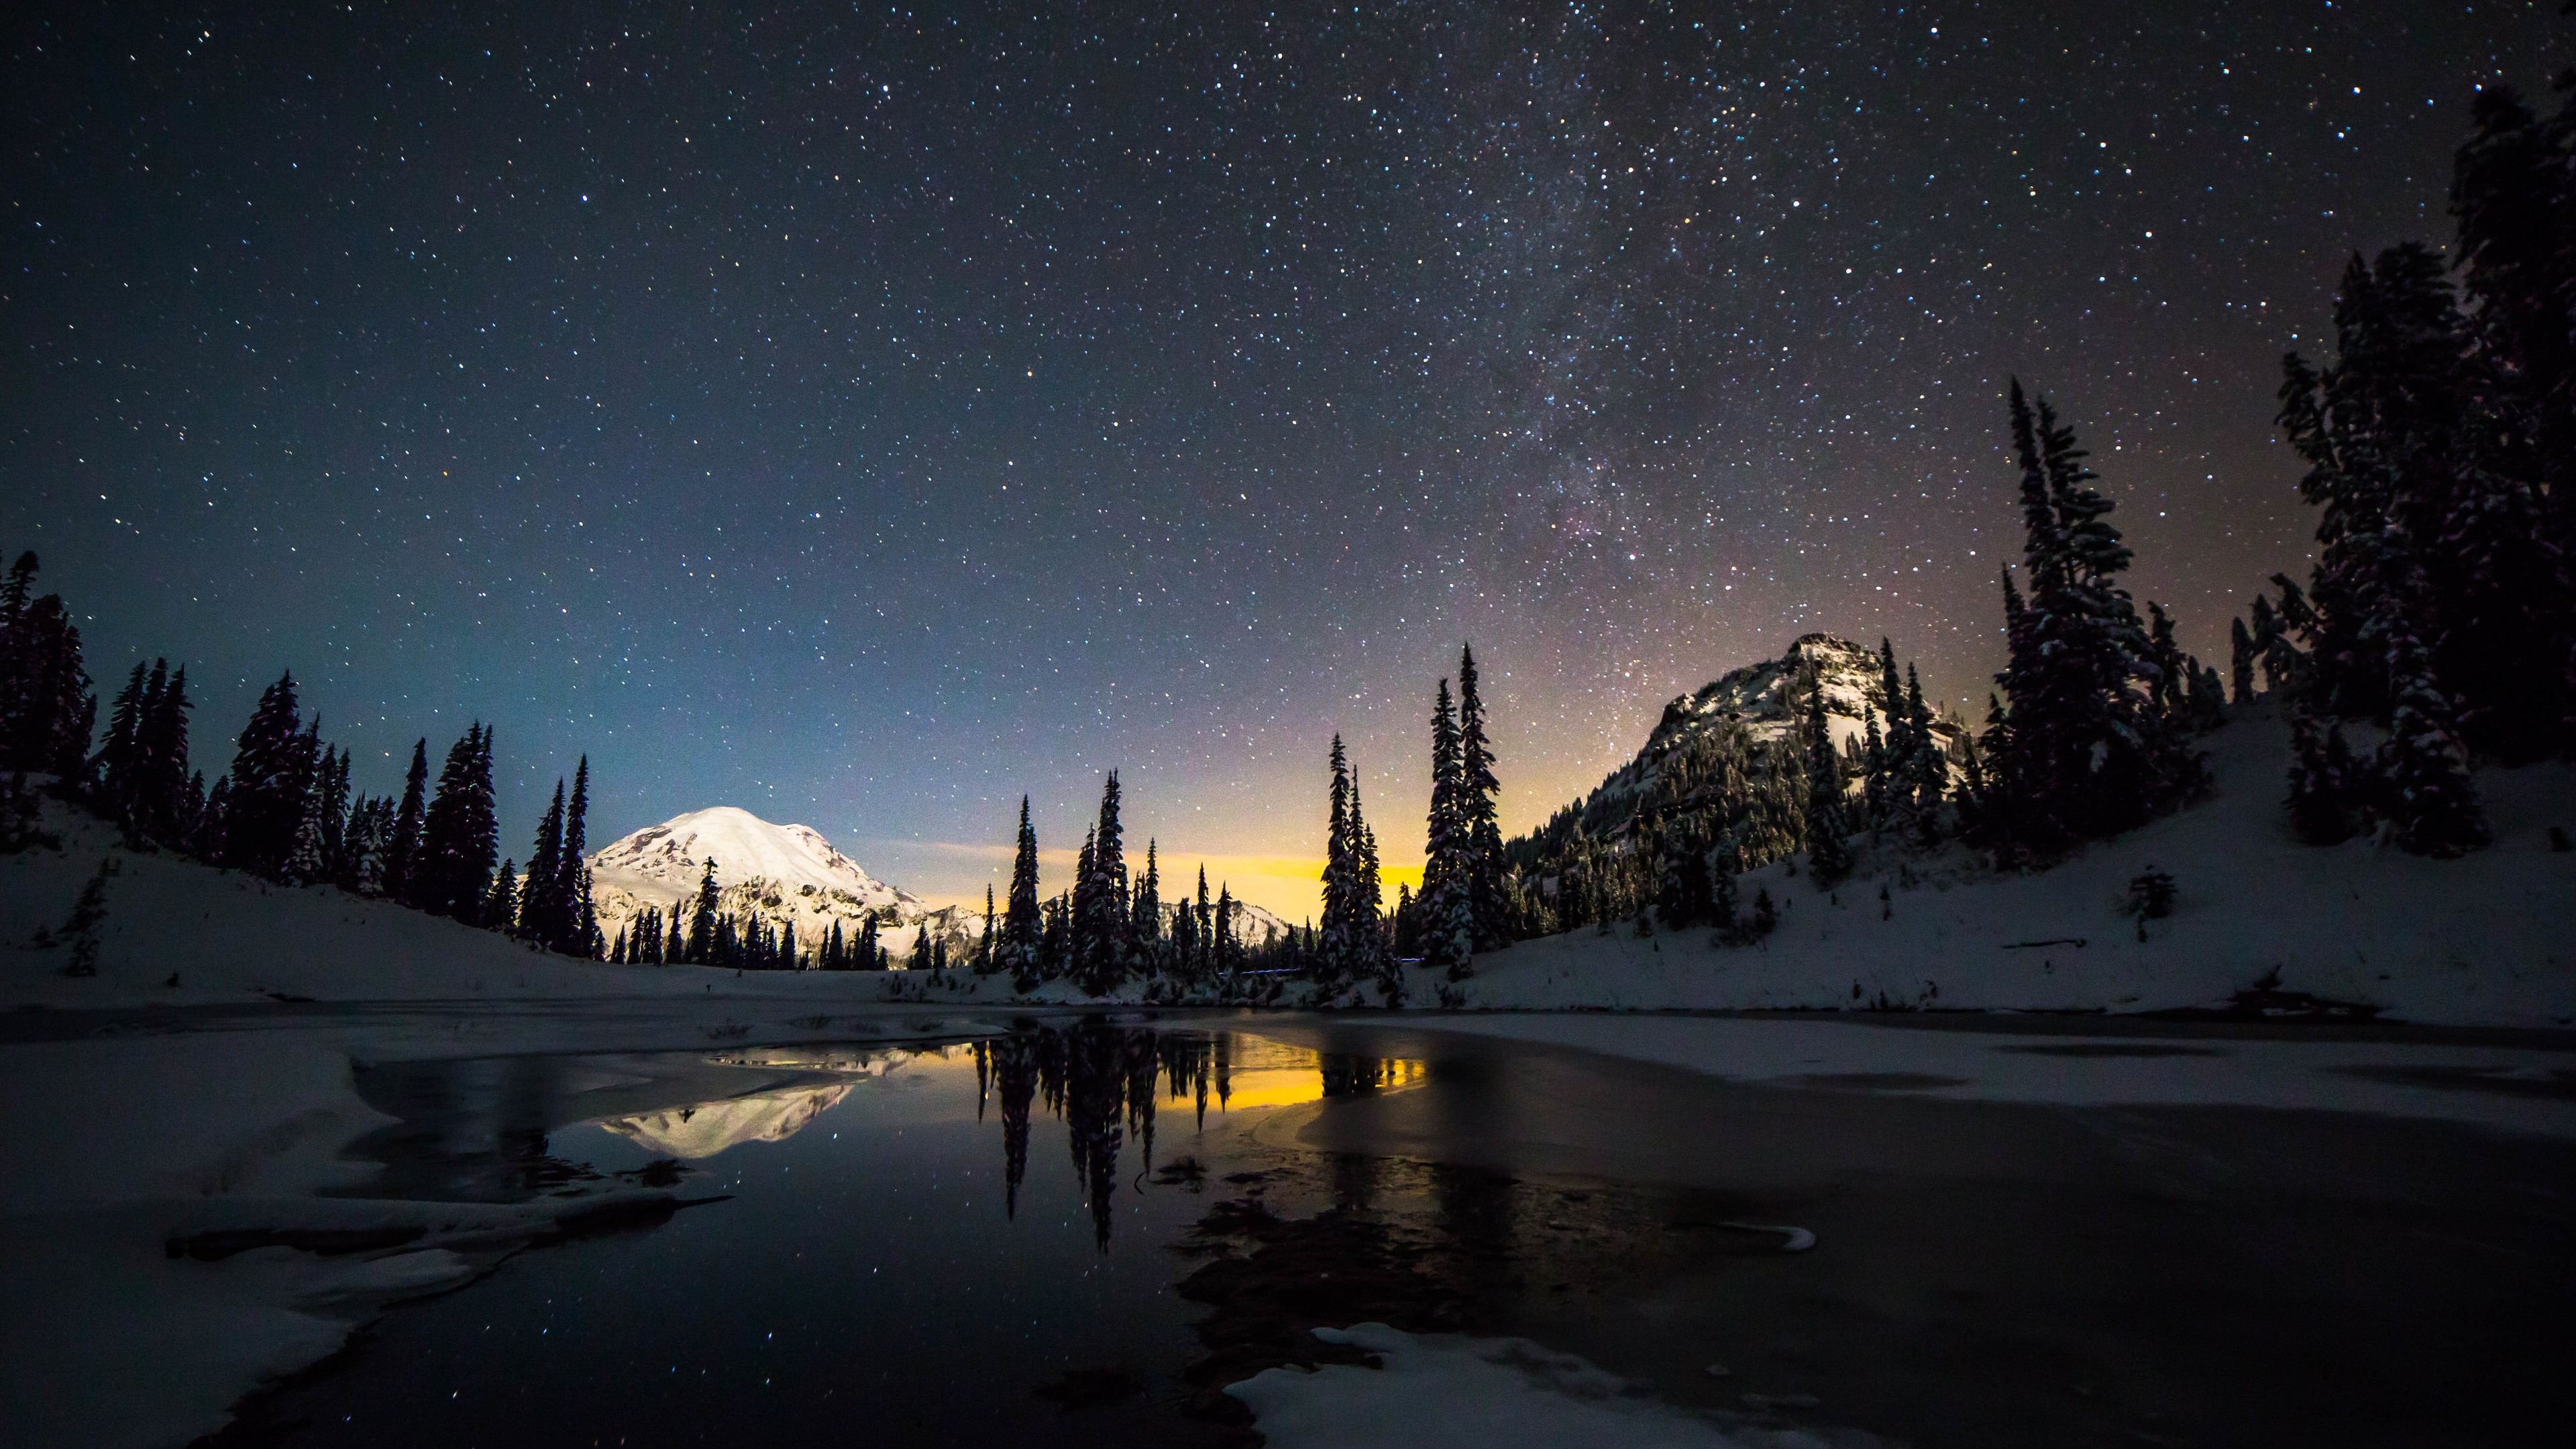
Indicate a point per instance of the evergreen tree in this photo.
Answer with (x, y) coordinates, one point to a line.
(986, 957)
(47, 712)
(571, 892)
(2328, 795)
(1336, 946)
(919, 960)
(2432, 511)
(1022, 926)
(1928, 779)
(164, 803)
(2240, 660)
(2423, 779)
(1228, 949)
(1482, 859)
(541, 904)
(459, 836)
(402, 846)
(1106, 940)
(501, 904)
(17, 590)
(1828, 854)
(2513, 190)
(2082, 749)
(1145, 920)
(116, 756)
(1368, 908)
(271, 774)
(703, 920)
(1900, 765)
(1874, 770)
(1447, 902)
(871, 956)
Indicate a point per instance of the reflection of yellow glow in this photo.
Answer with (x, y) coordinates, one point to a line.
(1273, 1089)
(1268, 1073)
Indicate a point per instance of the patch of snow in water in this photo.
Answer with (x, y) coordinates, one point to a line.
(1445, 1391)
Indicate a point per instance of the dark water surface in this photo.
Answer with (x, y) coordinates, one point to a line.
(986, 1241)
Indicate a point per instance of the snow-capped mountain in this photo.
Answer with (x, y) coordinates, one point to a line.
(786, 874)
(790, 875)
(1770, 697)
(1768, 700)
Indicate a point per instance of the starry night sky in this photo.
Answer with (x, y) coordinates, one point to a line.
(867, 414)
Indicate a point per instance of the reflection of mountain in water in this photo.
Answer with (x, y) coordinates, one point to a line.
(707, 1128)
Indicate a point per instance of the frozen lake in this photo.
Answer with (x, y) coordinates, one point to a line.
(1072, 1232)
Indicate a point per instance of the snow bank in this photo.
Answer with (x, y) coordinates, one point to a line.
(2479, 940)
(1442, 1391)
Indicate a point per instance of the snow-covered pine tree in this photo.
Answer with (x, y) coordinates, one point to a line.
(2168, 690)
(1874, 772)
(164, 807)
(2082, 750)
(2513, 189)
(1488, 893)
(1901, 744)
(541, 905)
(271, 773)
(1446, 902)
(1334, 944)
(115, 764)
(307, 863)
(1107, 944)
(1369, 954)
(2423, 782)
(1145, 914)
(501, 903)
(2240, 660)
(1927, 781)
(47, 712)
(459, 837)
(2328, 796)
(402, 846)
(2431, 515)
(578, 916)
(1021, 923)
(1828, 853)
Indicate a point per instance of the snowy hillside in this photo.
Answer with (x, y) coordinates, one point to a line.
(786, 874)
(2480, 939)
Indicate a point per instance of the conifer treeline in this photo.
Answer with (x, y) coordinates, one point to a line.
(284, 811)
(1109, 929)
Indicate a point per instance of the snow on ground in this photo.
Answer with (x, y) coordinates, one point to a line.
(2480, 940)
(1444, 1391)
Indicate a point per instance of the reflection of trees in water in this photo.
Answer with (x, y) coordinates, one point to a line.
(1015, 1073)
(1350, 1076)
(1104, 1082)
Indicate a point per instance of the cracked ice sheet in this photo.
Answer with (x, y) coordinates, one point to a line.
(1444, 1391)
(2510, 1088)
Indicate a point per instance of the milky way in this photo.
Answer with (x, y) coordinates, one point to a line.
(865, 416)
